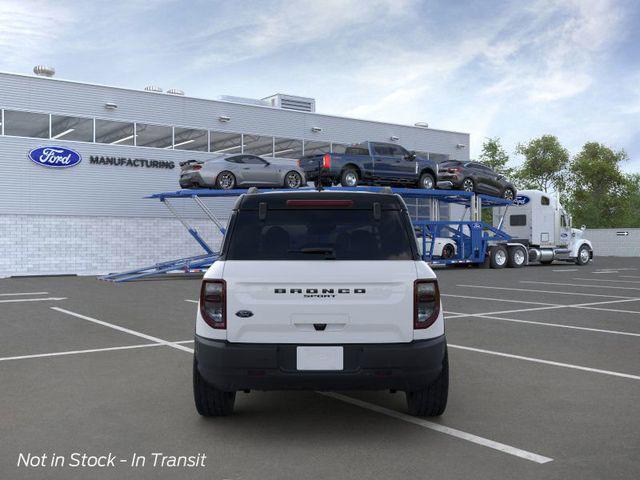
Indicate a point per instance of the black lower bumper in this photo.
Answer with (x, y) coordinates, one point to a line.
(243, 366)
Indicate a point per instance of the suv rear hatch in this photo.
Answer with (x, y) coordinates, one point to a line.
(321, 273)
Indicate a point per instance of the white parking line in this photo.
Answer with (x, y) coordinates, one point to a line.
(48, 299)
(545, 324)
(497, 299)
(551, 306)
(125, 330)
(605, 280)
(629, 276)
(547, 362)
(546, 291)
(581, 285)
(27, 293)
(469, 437)
(90, 350)
(566, 270)
(191, 301)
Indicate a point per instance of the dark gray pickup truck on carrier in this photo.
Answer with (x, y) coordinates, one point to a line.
(372, 163)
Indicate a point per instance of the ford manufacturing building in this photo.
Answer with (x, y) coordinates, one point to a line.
(92, 218)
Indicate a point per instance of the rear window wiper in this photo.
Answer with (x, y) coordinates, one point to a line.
(328, 252)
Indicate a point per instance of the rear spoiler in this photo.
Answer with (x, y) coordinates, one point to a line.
(189, 162)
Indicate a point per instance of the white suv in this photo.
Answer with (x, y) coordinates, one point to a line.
(320, 291)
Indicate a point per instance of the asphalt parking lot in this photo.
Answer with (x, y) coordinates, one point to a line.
(545, 383)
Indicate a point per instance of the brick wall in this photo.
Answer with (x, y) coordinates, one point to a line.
(611, 242)
(49, 245)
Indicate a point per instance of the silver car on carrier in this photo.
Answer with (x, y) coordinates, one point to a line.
(241, 170)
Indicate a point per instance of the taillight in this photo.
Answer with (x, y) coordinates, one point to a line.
(196, 167)
(299, 162)
(326, 161)
(426, 303)
(213, 303)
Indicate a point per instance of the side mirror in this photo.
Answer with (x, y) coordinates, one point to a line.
(410, 156)
(583, 228)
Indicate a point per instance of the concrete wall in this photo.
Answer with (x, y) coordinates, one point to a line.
(612, 242)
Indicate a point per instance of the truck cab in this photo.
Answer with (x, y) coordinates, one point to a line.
(538, 221)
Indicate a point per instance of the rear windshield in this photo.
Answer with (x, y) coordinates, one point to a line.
(319, 235)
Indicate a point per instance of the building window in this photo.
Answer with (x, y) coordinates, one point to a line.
(287, 148)
(115, 133)
(26, 124)
(517, 220)
(338, 148)
(157, 136)
(257, 145)
(190, 139)
(225, 142)
(71, 128)
(316, 148)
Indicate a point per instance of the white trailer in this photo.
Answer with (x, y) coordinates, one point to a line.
(541, 227)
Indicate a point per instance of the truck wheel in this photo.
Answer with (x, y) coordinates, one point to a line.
(517, 257)
(499, 257)
(210, 402)
(431, 401)
(584, 255)
(349, 178)
(426, 181)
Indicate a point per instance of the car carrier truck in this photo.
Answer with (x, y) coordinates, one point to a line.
(540, 231)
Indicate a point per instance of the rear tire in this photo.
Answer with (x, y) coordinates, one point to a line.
(517, 257)
(210, 402)
(431, 401)
(427, 181)
(468, 185)
(292, 180)
(225, 180)
(349, 178)
(508, 194)
(499, 257)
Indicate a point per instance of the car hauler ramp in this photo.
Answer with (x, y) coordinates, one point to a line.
(472, 237)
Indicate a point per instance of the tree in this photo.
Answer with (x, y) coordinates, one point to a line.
(494, 156)
(545, 164)
(600, 194)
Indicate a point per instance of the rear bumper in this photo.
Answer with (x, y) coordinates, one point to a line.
(242, 366)
(189, 180)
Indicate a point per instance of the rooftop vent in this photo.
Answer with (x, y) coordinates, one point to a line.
(175, 91)
(44, 71)
(291, 102)
(153, 88)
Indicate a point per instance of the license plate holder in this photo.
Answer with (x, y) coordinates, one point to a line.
(320, 358)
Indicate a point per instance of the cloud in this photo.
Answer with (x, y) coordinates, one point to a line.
(30, 30)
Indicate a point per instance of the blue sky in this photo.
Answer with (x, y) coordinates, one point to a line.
(515, 69)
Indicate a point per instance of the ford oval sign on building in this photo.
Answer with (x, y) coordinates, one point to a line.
(55, 157)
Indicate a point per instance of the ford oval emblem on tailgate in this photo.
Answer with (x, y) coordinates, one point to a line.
(55, 157)
(244, 313)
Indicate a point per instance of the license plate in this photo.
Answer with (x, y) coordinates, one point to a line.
(320, 358)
